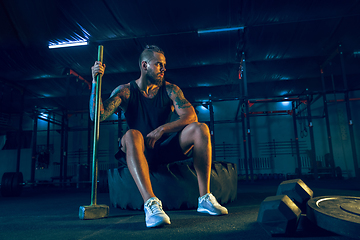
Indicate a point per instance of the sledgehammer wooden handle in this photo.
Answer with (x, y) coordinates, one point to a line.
(96, 130)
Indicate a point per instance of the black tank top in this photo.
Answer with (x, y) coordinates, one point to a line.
(145, 114)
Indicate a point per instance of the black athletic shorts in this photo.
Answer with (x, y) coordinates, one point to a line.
(167, 150)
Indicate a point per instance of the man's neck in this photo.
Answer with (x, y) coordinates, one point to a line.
(145, 86)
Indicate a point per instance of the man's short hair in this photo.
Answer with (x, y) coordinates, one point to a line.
(148, 53)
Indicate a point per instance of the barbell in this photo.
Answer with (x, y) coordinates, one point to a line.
(12, 183)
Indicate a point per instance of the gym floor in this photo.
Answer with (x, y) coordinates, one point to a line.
(52, 213)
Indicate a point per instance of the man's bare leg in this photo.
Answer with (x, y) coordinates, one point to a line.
(133, 145)
(198, 135)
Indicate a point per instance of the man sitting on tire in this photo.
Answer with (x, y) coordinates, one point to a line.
(151, 139)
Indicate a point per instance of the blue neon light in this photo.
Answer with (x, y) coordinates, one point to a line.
(68, 44)
(219, 30)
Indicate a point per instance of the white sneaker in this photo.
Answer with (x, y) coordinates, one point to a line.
(209, 204)
(154, 214)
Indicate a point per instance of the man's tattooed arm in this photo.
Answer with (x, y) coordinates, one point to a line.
(111, 104)
(182, 106)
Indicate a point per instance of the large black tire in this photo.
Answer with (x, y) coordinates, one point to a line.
(175, 184)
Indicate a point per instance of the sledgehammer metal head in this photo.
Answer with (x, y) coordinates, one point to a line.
(93, 212)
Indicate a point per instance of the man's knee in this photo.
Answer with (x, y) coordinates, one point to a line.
(133, 134)
(132, 137)
(200, 129)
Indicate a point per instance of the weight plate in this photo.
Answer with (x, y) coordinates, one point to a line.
(351, 208)
(6, 184)
(338, 214)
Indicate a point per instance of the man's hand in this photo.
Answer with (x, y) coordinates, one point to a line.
(153, 136)
(98, 68)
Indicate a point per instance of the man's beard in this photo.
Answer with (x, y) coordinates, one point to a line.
(157, 81)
